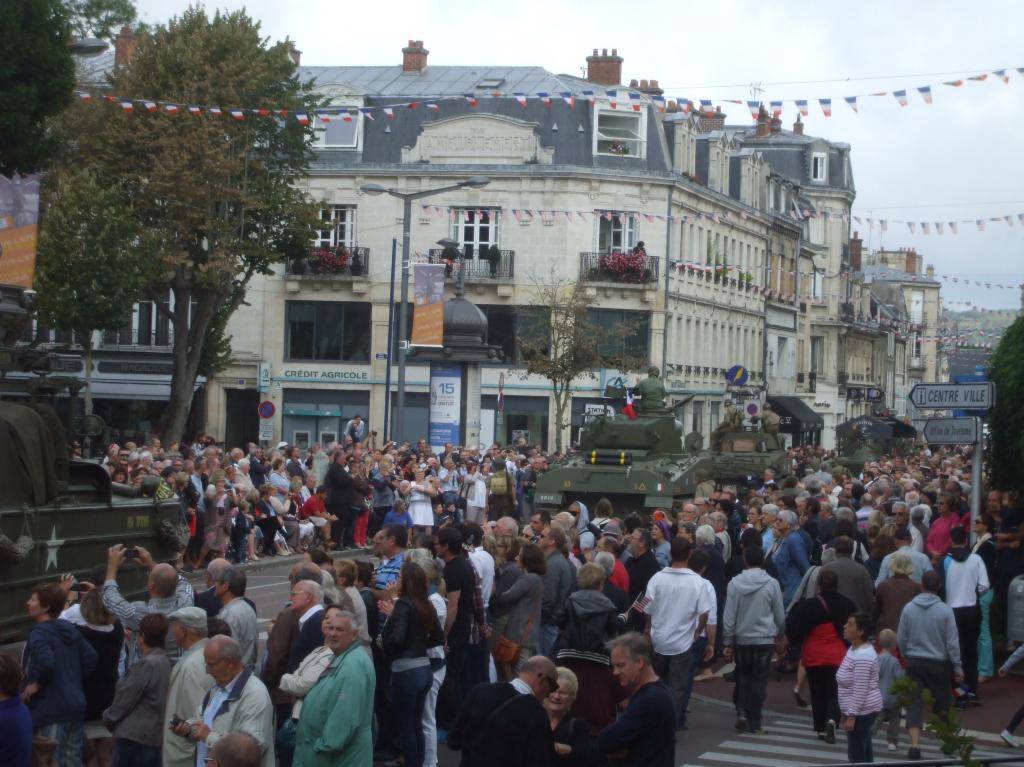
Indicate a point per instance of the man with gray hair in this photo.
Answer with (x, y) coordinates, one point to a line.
(188, 684)
(208, 599)
(920, 515)
(236, 749)
(647, 728)
(238, 702)
(720, 523)
(308, 604)
(238, 613)
(606, 561)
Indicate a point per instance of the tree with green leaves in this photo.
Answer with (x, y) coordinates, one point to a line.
(1006, 419)
(37, 76)
(88, 273)
(573, 345)
(100, 18)
(217, 197)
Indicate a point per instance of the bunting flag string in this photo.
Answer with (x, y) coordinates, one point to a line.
(626, 99)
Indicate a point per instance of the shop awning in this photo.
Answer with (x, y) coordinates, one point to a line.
(795, 416)
(878, 429)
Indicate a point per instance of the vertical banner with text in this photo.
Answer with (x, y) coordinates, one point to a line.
(19, 218)
(445, 404)
(428, 305)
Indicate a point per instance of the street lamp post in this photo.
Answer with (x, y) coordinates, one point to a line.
(474, 182)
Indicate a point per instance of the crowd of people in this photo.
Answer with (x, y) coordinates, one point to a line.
(513, 635)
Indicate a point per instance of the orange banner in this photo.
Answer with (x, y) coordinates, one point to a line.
(19, 216)
(428, 306)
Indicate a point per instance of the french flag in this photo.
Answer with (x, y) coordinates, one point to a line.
(1001, 74)
(852, 101)
(151, 106)
(433, 107)
(660, 102)
(282, 113)
(470, 99)
(216, 111)
(238, 114)
(194, 110)
(634, 99)
(613, 98)
(568, 98)
(801, 104)
(926, 93)
(388, 112)
(629, 410)
(754, 108)
(302, 118)
(589, 95)
(706, 106)
(324, 117)
(85, 96)
(545, 99)
(901, 97)
(367, 113)
(521, 98)
(826, 106)
(776, 108)
(127, 106)
(171, 109)
(262, 112)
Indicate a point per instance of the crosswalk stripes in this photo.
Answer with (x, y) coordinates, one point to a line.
(790, 743)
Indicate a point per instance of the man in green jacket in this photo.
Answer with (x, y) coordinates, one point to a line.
(335, 723)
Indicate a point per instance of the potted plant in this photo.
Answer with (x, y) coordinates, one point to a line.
(617, 147)
(330, 260)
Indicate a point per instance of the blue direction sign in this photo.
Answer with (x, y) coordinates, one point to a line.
(266, 409)
(737, 375)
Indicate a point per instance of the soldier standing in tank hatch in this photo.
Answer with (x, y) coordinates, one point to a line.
(651, 391)
(769, 420)
(732, 420)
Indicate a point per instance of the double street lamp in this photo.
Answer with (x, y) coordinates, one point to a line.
(474, 182)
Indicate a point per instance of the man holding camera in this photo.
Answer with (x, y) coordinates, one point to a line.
(168, 591)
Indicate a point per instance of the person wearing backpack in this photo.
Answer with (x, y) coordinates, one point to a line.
(501, 493)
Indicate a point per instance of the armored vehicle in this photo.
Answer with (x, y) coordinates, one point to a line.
(744, 455)
(638, 464)
(869, 438)
(58, 514)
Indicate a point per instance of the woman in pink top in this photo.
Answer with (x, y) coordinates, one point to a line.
(860, 698)
(938, 542)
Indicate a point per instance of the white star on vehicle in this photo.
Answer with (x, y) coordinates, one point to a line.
(52, 548)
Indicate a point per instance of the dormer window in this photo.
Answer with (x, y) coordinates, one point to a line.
(490, 83)
(619, 133)
(337, 130)
(819, 167)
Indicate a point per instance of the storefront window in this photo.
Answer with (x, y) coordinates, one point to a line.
(328, 330)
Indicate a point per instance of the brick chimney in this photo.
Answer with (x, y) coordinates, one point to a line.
(650, 87)
(713, 121)
(124, 46)
(798, 126)
(604, 69)
(856, 252)
(913, 262)
(763, 123)
(776, 124)
(930, 272)
(294, 53)
(414, 57)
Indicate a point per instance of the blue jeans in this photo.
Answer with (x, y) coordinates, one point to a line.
(129, 753)
(548, 637)
(696, 656)
(408, 694)
(70, 738)
(858, 741)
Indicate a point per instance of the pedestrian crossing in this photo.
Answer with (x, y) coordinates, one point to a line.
(789, 742)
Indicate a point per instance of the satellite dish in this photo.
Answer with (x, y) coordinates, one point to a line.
(820, 261)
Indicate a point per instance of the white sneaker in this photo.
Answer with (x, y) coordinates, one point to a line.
(1008, 739)
(892, 747)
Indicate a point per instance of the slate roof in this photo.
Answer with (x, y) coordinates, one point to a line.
(91, 71)
(882, 273)
(440, 81)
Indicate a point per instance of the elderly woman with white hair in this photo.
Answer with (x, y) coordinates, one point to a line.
(790, 556)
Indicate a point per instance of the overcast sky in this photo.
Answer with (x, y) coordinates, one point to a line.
(960, 158)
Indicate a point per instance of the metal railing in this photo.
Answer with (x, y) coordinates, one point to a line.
(133, 339)
(479, 268)
(620, 267)
(331, 263)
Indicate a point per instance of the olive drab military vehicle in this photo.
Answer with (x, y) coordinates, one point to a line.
(744, 455)
(57, 514)
(870, 438)
(639, 464)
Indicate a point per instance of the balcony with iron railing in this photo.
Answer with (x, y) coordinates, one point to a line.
(136, 340)
(488, 265)
(331, 263)
(619, 268)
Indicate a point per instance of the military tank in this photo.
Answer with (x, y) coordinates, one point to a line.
(744, 455)
(639, 464)
(59, 514)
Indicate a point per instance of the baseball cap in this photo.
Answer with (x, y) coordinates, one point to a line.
(190, 617)
(281, 445)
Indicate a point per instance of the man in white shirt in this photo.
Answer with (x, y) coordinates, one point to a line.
(966, 580)
(475, 493)
(677, 609)
(482, 562)
(904, 543)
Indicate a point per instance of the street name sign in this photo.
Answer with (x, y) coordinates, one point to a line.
(951, 431)
(953, 396)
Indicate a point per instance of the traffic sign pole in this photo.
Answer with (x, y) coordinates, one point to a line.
(976, 476)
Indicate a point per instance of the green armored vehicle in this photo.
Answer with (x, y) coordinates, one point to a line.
(743, 456)
(57, 514)
(637, 459)
(870, 438)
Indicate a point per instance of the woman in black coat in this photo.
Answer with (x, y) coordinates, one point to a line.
(573, 744)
